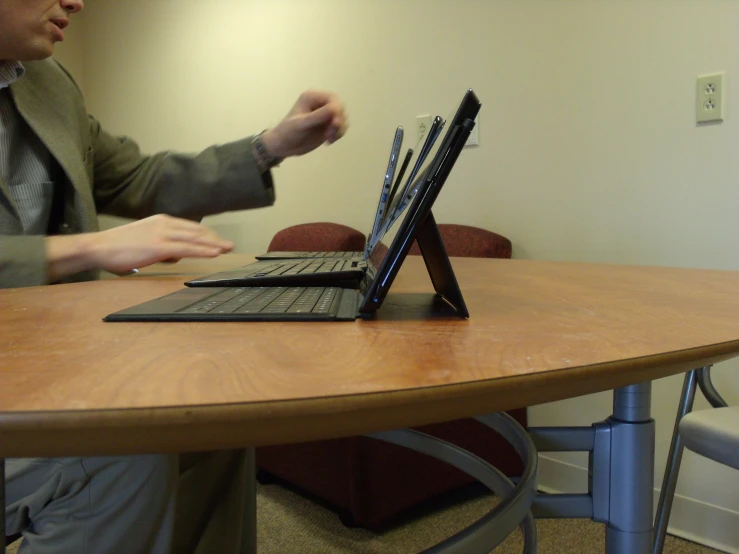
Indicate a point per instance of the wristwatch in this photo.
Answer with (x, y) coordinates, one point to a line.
(265, 160)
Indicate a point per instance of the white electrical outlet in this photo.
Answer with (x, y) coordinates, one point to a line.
(423, 122)
(709, 103)
(474, 138)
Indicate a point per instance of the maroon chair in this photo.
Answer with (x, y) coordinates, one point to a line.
(371, 481)
(317, 237)
(464, 241)
(378, 254)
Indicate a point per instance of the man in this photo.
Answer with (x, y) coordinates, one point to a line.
(58, 170)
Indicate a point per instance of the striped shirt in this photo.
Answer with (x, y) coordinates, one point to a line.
(26, 164)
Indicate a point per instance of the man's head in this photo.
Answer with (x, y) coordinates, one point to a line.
(30, 28)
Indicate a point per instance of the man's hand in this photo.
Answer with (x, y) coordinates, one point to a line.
(316, 117)
(160, 238)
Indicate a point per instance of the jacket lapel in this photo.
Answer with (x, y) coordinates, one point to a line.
(49, 101)
(38, 106)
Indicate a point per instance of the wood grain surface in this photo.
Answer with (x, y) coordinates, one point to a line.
(538, 332)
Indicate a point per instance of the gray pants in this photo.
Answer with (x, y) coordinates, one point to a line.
(158, 504)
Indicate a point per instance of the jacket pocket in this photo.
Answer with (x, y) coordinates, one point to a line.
(34, 202)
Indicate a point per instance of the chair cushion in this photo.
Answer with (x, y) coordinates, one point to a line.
(320, 237)
(714, 434)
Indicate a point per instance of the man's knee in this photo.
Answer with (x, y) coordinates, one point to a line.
(145, 475)
(104, 502)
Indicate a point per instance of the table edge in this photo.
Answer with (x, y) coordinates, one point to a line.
(221, 426)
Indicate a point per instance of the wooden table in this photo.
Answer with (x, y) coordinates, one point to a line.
(538, 332)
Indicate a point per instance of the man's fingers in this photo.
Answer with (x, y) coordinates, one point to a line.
(184, 230)
(336, 130)
(202, 236)
(316, 117)
(311, 100)
(321, 116)
(181, 250)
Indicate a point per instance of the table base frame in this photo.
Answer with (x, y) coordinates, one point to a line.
(621, 478)
(621, 471)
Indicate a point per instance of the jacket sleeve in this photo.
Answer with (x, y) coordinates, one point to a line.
(118, 180)
(22, 261)
(128, 184)
(219, 179)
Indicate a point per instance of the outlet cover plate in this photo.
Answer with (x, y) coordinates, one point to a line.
(709, 103)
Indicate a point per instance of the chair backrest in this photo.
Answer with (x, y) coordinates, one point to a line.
(319, 237)
(465, 241)
(462, 241)
(379, 254)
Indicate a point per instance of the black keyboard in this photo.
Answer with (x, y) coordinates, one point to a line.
(266, 300)
(296, 267)
(345, 255)
(277, 255)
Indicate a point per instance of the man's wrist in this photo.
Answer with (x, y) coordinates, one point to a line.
(265, 152)
(67, 255)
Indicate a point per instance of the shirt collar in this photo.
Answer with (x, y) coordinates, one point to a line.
(9, 72)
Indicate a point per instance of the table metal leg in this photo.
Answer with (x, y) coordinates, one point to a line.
(249, 525)
(669, 482)
(630, 525)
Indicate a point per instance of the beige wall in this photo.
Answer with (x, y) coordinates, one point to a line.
(71, 53)
(588, 146)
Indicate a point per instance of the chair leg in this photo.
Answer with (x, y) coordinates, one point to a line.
(2, 503)
(249, 523)
(669, 482)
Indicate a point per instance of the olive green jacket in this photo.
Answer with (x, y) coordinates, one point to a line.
(106, 174)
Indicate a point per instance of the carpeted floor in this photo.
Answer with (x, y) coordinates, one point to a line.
(292, 524)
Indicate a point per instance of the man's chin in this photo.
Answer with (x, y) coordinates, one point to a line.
(38, 52)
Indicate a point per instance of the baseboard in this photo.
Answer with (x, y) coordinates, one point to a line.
(691, 519)
(703, 523)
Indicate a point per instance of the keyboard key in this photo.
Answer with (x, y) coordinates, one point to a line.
(266, 300)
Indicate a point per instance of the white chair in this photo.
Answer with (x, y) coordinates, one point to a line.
(711, 433)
